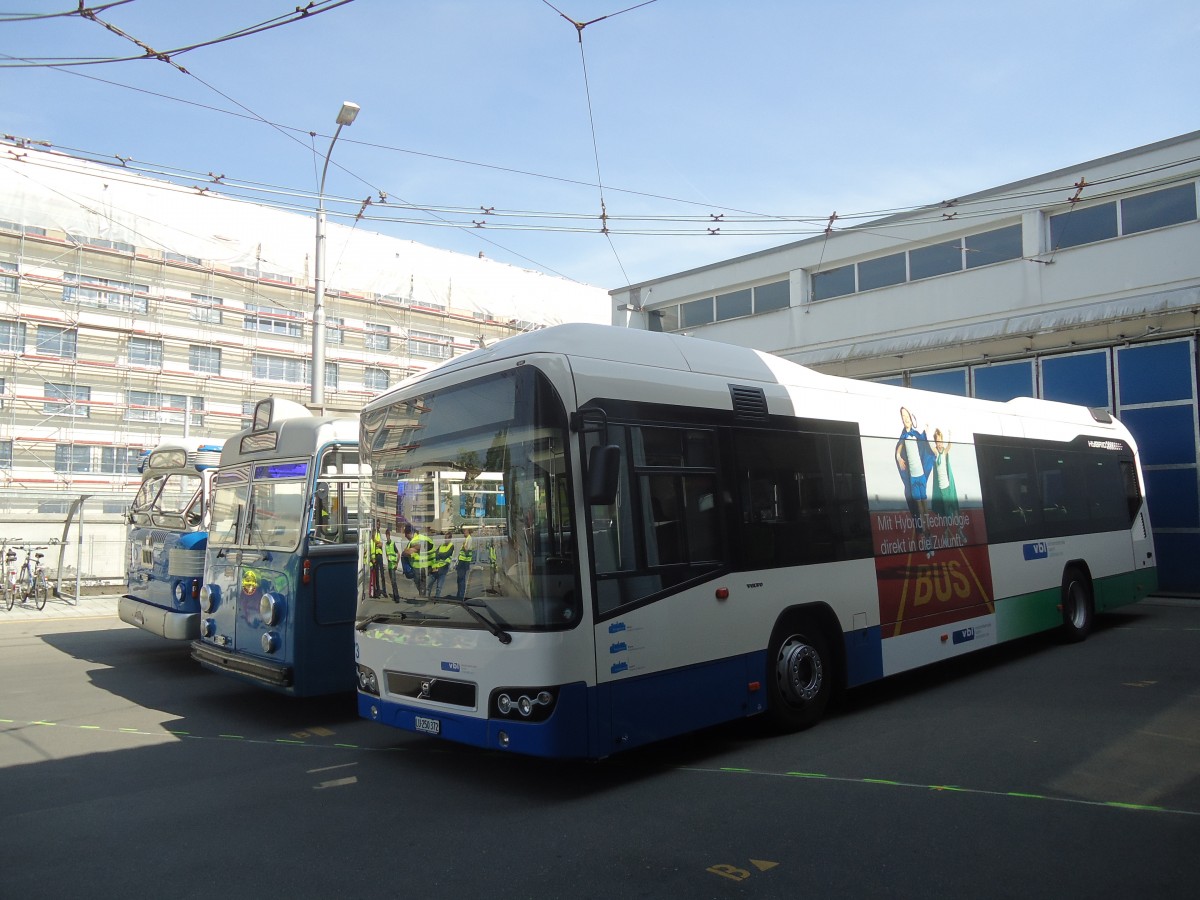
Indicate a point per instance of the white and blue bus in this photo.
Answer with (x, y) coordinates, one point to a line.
(696, 532)
(167, 537)
(277, 604)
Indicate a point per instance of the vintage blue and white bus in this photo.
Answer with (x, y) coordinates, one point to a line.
(167, 538)
(694, 532)
(277, 604)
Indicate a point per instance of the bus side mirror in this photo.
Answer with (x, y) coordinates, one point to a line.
(603, 474)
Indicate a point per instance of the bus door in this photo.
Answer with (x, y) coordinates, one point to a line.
(329, 569)
(266, 569)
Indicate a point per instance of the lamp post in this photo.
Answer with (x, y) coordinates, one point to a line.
(317, 392)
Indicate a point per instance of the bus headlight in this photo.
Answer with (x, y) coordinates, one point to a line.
(271, 607)
(209, 628)
(522, 704)
(178, 592)
(270, 642)
(210, 597)
(368, 683)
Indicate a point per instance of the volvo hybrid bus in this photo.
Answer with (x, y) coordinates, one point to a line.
(167, 538)
(694, 532)
(277, 603)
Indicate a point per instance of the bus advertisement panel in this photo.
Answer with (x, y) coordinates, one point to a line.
(693, 533)
(167, 538)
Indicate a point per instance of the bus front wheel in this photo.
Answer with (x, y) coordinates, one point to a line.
(799, 678)
(1078, 610)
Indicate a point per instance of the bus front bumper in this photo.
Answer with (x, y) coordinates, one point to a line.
(167, 623)
(233, 663)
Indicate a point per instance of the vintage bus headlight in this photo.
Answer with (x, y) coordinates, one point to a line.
(368, 683)
(270, 642)
(179, 592)
(522, 704)
(210, 597)
(209, 628)
(271, 607)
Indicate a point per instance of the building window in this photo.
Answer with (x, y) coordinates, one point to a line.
(8, 277)
(335, 333)
(72, 458)
(734, 304)
(1004, 381)
(377, 337)
(204, 360)
(55, 341)
(5, 454)
(937, 259)
(1154, 209)
(272, 320)
(331, 376)
(994, 246)
(145, 352)
(207, 309)
(119, 460)
(1158, 209)
(696, 312)
(3, 387)
(429, 344)
(66, 400)
(881, 272)
(834, 283)
(1083, 225)
(375, 379)
(769, 297)
(12, 337)
(105, 293)
(947, 381)
(280, 368)
(155, 406)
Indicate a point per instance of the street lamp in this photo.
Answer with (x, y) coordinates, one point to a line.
(317, 395)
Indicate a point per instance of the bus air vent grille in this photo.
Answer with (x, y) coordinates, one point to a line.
(748, 402)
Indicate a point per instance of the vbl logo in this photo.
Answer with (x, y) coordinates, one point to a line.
(451, 667)
(1036, 550)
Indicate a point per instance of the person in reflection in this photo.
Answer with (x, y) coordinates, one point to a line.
(392, 552)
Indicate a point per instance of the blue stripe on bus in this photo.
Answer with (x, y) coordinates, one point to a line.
(864, 655)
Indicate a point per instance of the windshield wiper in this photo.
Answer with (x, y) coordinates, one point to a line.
(492, 624)
(395, 617)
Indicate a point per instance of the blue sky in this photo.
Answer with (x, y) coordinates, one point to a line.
(473, 110)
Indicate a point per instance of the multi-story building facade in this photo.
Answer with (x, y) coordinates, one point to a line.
(1080, 285)
(133, 311)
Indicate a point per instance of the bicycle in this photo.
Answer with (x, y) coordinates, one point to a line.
(31, 580)
(10, 577)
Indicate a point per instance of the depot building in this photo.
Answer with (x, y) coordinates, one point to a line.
(1081, 285)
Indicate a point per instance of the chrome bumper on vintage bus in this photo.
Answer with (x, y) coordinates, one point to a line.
(167, 623)
(234, 663)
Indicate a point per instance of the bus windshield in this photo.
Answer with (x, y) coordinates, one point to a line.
(168, 501)
(478, 475)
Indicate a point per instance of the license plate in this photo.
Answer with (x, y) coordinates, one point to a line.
(429, 726)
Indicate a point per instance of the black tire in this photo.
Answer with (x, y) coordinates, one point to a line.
(1078, 606)
(800, 676)
(10, 595)
(41, 592)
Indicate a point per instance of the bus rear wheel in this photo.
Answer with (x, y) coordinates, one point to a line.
(799, 678)
(1078, 609)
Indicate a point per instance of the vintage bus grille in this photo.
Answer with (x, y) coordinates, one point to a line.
(431, 687)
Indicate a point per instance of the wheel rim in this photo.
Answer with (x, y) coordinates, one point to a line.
(799, 671)
(1076, 604)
